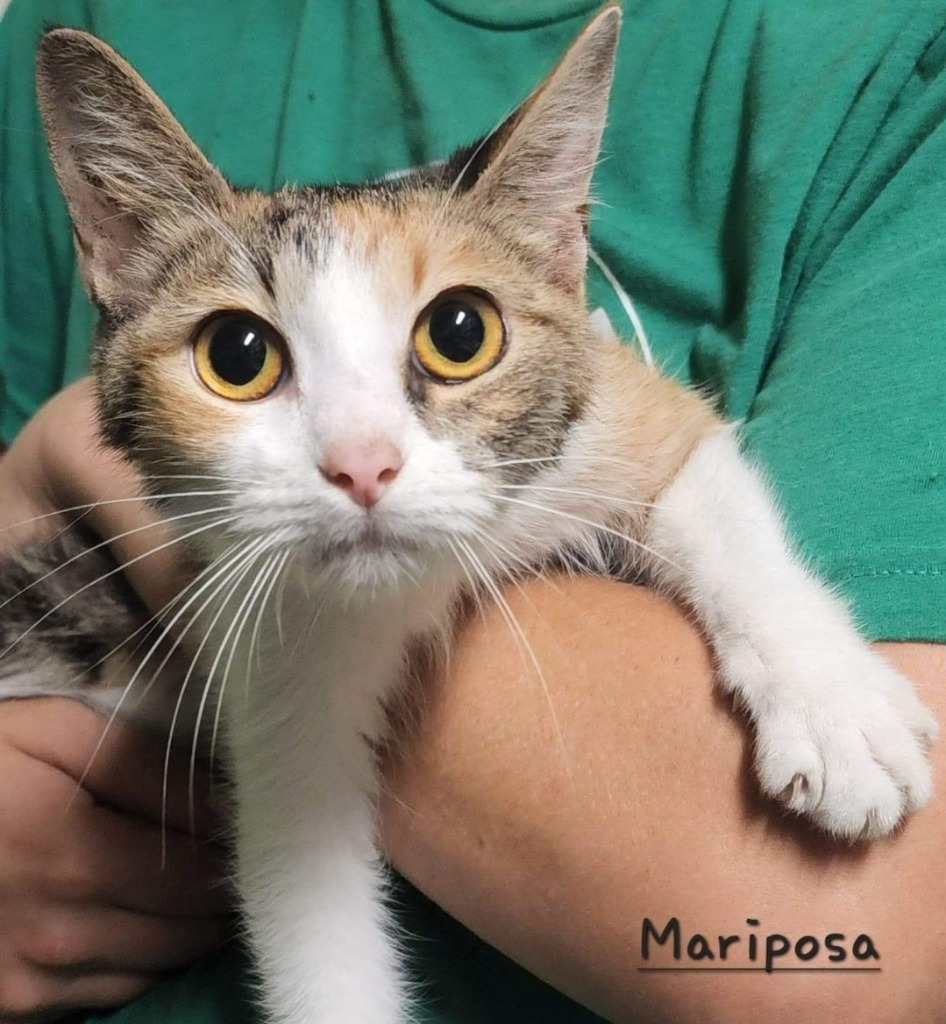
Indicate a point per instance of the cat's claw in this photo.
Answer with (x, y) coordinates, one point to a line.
(798, 794)
(850, 756)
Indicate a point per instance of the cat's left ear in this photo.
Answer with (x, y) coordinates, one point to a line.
(540, 161)
(127, 169)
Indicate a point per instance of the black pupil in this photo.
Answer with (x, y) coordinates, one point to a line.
(237, 352)
(456, 330)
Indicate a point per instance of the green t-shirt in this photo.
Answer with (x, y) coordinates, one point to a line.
(772, 195)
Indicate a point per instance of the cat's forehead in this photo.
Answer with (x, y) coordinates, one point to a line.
(344, 264)
(406, 243)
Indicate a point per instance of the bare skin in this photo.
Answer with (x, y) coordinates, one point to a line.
(88, 916)
(556, 852)
(556, 856)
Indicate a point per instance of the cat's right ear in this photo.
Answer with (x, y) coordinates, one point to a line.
(536, 167)
(126, 168)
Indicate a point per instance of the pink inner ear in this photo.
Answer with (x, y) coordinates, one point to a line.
(104, 235)
(121, 159)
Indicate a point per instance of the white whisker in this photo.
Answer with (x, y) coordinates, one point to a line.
(242, 616)
(522, 643)
(262, 544)
(610, 531)
(583, 459)
(89, 506)
(474, 587)
(254, 637)
(117, 569)
(165, 633)
(222, 646)
(578, 493)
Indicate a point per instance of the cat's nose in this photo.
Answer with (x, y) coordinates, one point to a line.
(363, 471)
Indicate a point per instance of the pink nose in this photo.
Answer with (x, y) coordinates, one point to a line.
(364, 471)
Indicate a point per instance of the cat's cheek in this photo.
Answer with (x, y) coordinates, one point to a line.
(180, 415)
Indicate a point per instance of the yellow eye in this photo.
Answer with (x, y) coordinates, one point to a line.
(240, 357)
(460, 335)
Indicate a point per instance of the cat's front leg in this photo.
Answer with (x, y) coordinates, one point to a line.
(839, 735)
(311, 886)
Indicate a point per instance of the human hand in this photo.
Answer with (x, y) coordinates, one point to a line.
(56, 464)
(89, 917)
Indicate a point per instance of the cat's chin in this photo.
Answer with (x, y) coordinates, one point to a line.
(369, 564)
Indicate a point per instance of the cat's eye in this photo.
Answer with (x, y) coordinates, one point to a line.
(459, 335)
(240, 357)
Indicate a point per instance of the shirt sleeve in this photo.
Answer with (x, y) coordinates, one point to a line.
(850, 417)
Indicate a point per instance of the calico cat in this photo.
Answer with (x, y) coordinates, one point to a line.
(369, 402)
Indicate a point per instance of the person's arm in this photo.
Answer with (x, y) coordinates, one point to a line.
(89, 915)
(557, 854)
(651, 810)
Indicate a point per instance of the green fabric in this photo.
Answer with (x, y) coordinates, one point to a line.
(463, 981)
(772, 196)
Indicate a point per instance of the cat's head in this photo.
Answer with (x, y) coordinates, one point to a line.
(359, 372)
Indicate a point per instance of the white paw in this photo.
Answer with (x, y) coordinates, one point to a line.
(846, 749)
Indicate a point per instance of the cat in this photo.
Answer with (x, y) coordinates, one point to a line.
(362, 405)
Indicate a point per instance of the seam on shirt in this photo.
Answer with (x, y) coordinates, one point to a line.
(892, 572)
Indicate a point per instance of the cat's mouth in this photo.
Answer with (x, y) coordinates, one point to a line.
(368, 542)
(369, 560)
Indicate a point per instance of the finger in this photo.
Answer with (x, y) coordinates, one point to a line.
(126, 862)
(79, 471)
(83, 940)
(119, 764)
(71, 848)
(37, 996)
(78, 850)
(28, 507)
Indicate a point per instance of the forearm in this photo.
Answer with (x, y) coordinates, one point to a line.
(556, 852)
